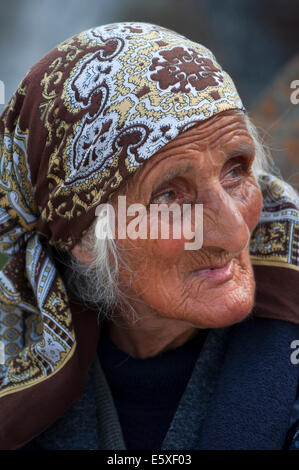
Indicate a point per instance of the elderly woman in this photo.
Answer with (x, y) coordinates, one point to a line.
(135, 341)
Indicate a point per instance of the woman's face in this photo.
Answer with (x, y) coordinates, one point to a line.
(212, 286)
(212, 164)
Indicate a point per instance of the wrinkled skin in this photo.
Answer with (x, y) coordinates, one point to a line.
(170, 289)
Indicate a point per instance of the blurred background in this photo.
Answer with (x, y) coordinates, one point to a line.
(256, 41)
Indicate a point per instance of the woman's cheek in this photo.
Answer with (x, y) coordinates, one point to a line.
(170, 249)
(252, 202)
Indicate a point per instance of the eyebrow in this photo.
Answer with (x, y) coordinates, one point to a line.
(173, 173)
(243, 149)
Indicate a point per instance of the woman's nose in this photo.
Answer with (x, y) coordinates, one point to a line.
(223, 223)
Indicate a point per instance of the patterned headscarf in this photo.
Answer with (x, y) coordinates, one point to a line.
(84, 118)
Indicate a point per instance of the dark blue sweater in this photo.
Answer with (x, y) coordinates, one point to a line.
(241, 395)
(146, 392)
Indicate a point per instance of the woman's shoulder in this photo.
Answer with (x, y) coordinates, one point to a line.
(274, 251)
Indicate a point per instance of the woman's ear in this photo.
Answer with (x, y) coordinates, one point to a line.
(82, 254)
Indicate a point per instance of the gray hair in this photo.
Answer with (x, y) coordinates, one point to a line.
(98, 284)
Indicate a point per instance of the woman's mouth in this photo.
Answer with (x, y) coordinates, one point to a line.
(216, 273)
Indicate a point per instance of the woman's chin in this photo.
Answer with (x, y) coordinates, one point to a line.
(232, 316)
(228, 303)
(223, 311)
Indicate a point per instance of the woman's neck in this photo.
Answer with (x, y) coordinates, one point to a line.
(149, 335)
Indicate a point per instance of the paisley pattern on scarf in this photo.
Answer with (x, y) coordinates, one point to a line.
(83, 119)
(35, 321)
(275, 240)
(123, 112)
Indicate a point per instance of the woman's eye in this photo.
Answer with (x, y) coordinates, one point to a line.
(236, 171)
(164, 198)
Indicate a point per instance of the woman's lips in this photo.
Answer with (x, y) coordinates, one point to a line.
(216, 273)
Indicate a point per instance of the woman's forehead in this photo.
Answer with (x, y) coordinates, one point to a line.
(227, 131)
